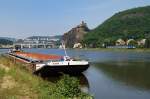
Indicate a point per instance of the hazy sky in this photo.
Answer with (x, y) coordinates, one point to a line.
(23, 18)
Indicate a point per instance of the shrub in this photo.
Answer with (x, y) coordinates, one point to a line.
(68, 87)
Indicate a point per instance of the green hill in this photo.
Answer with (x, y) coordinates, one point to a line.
(132, 23)
(5, 42)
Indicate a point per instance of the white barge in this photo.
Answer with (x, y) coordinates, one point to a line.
(51, 63)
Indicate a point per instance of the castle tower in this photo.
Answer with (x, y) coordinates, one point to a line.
(83, 24)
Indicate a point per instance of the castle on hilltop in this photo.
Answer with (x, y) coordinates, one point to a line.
(75, 35)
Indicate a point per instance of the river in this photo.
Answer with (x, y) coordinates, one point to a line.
(112, 74)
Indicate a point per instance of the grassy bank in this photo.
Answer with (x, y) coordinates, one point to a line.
(17, 83)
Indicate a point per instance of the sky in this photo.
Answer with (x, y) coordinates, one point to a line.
(24, 18)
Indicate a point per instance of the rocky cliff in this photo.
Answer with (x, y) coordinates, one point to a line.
(75, 35)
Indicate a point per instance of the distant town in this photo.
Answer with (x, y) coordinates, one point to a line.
(31, 42)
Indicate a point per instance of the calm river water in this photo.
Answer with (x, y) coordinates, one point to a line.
(112, 74)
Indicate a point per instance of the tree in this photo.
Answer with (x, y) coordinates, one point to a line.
(133, 43)
(147, 43)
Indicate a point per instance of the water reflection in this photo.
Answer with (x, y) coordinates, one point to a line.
(132, 74)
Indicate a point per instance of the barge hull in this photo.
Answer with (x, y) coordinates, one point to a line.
(71, 69)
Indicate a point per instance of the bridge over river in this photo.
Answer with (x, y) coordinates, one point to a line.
(39, 45)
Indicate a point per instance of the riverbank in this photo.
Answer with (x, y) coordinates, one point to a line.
(17, 83)
(118, 49)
